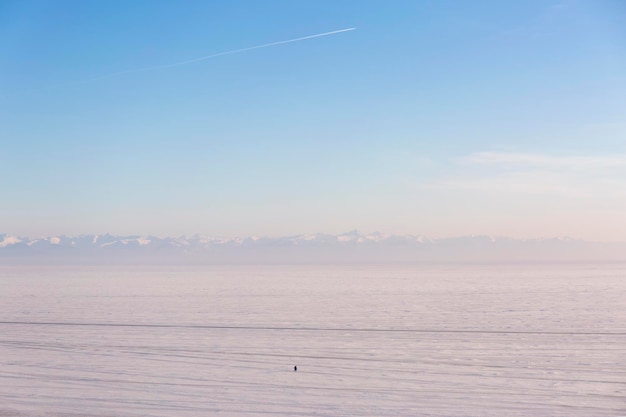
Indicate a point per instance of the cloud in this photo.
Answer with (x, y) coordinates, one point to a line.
(520, 182)
(531, 160)
(601, 176)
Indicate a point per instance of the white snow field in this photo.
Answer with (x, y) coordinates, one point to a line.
(367, 340)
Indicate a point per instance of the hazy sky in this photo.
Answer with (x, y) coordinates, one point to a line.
(440, 118)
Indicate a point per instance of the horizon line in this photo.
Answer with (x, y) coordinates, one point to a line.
(493, 237)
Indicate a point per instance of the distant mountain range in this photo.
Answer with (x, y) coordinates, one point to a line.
(350, 247)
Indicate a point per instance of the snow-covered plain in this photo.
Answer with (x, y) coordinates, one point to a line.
(368, 341)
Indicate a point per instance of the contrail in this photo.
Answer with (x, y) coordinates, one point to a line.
(235, 51)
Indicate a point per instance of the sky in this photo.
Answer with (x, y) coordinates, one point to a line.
(438, 118)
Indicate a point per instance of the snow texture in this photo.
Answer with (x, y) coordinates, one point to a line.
(367, 341)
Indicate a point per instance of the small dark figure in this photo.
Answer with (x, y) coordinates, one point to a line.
(295, 368)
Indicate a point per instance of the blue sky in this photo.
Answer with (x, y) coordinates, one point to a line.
(437, 118)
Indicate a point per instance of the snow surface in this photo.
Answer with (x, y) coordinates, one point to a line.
(368, 341)
(9, 240)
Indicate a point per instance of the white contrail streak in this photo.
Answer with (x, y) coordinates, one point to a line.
(235, 51)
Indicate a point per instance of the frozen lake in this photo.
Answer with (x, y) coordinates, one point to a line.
(368, 341)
